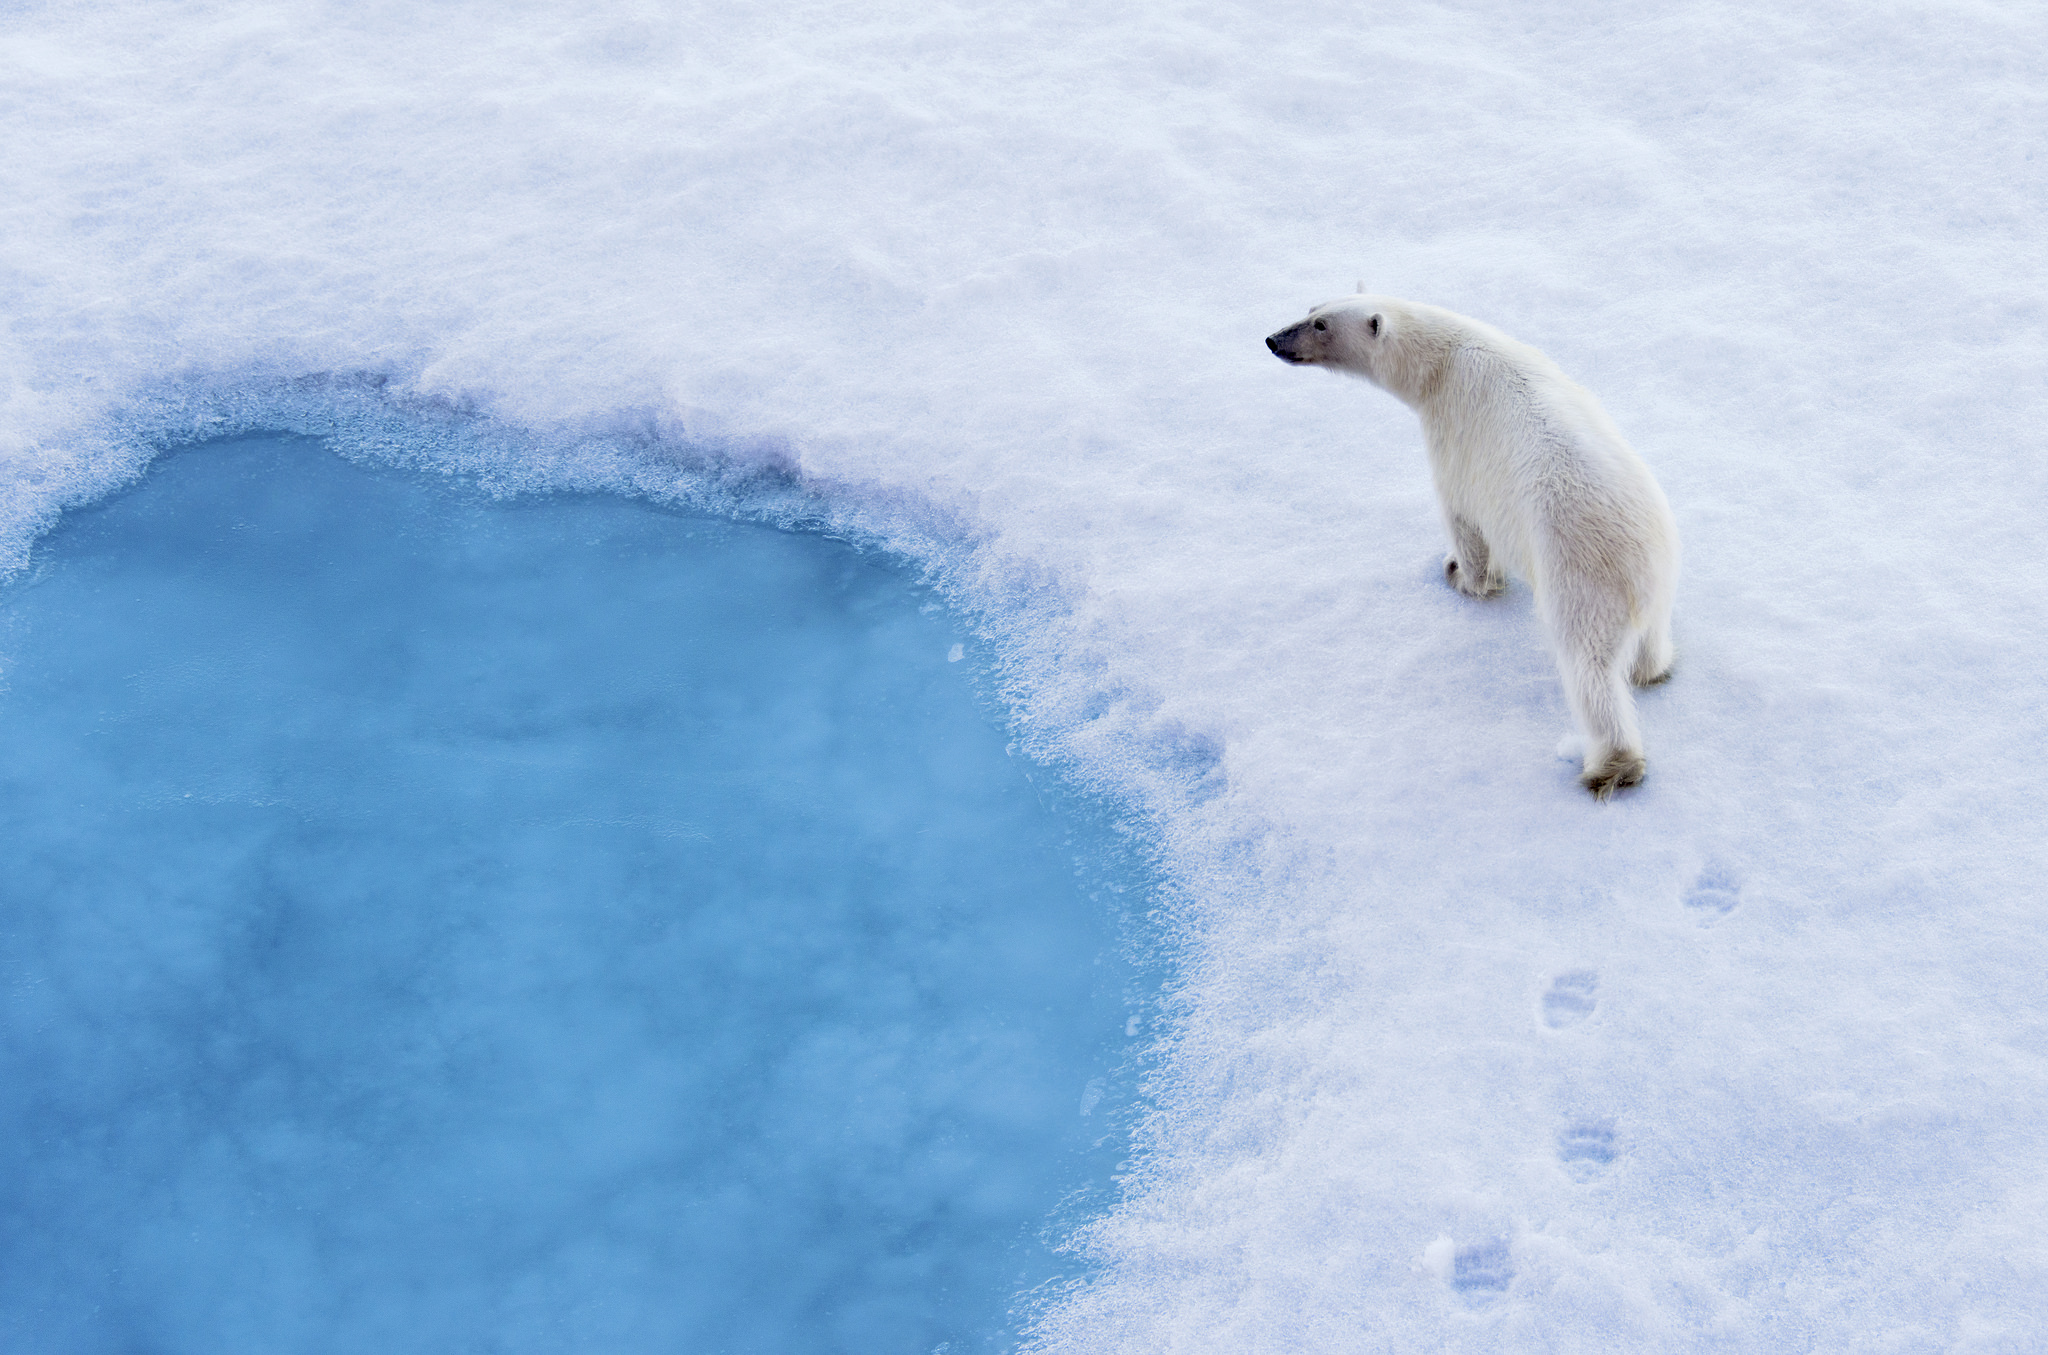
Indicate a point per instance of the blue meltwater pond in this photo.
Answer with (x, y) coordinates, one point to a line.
(438, 923)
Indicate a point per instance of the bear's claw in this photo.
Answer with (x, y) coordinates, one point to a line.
(1618, 771)
(1455, 576)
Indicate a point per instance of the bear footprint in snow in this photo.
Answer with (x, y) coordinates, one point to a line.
(1571, 998)
(1716, 892)
(1587, 1148)
(1483, 1270)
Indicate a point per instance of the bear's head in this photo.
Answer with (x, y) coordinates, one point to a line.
(1400, 346)
(1343, 334)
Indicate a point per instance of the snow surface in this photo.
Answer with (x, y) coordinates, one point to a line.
(1752, 1059)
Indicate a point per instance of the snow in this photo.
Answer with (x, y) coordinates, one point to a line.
(986, 285)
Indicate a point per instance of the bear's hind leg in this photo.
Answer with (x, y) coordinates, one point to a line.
(1614, 750)
(1653, 654)
(1469, 567)
(1594, 645)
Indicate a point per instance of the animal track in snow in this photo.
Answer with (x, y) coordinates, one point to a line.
(1571, 998)
(1716, 892)
(1587, 1148)
(1483, 1269)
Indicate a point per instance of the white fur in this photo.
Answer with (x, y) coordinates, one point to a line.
(1534, 480)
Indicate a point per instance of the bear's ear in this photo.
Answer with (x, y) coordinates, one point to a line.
(1372, 326)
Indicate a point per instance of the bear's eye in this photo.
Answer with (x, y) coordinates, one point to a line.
(1321, 325)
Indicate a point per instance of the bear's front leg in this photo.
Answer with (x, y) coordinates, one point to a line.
(1469, 567)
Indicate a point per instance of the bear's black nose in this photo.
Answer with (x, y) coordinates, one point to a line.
(1273, 342)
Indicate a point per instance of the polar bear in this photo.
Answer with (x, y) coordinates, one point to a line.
(1533, 480)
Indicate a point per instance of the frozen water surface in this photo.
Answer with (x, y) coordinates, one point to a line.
(441, 923)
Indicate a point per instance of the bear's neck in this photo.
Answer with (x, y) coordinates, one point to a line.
(1413, 368)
